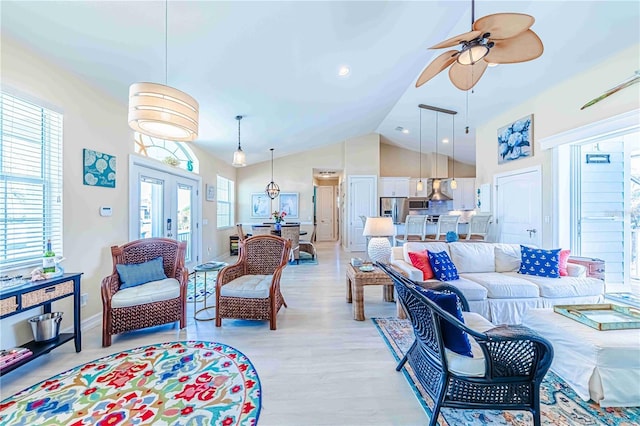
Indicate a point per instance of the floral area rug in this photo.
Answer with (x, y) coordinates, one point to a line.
(559, 404)
(196, 288)
(176, 383)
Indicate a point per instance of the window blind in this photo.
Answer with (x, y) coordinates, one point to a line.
(30, 182)
(225, 202)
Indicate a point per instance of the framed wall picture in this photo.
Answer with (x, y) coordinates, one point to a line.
(515, 140)
(260, 205)
(99, 169)
(210, 192)
(289, 204)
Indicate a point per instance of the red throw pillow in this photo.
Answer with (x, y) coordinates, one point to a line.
(562, 262)
(421, 261)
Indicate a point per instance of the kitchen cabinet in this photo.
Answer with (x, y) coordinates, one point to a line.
(464, 196)
(395, 186)
(413, 188)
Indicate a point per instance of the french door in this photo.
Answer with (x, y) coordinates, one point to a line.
(518, 207)
(165, 203)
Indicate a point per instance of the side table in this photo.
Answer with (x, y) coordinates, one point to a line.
(204, 268)
(357, 279)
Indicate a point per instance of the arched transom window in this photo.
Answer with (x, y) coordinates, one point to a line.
(176, 154)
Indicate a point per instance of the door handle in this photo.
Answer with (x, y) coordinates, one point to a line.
(531, 232)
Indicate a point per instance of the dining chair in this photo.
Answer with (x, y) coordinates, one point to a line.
(239, 230)
(479, 227)
(307, 245)
(414, 229)
(260, 230)
(292, 233)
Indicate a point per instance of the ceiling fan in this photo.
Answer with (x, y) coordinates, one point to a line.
(501, 38)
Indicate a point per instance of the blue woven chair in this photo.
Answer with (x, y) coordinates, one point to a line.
(516, 358)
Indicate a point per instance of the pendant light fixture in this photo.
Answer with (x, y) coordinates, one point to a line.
(239, 159)
(453, 184)
(420, 185)
(272, 188)
(436, 192)
(162, 111)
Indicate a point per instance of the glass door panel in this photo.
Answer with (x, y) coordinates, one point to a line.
(151, 203)
(184, 223)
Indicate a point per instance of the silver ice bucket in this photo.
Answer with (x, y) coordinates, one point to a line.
(46, 327)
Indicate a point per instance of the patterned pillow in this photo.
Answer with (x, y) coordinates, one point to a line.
(543, 263)
(420, 260)
(132, 275)
(442, 266)
(454, 339)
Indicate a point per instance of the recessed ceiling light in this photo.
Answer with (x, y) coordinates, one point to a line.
(402, 129)
(445, 140)
(405, 131)
(344, 71)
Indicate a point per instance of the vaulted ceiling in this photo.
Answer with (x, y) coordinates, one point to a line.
(277, 62)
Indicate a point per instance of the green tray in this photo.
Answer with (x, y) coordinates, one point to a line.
(602, 317)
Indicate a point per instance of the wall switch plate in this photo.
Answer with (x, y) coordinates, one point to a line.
(84, 298)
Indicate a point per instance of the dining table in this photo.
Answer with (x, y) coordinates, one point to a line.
(277, 233)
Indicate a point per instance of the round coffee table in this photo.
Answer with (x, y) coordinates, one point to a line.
(204, 268)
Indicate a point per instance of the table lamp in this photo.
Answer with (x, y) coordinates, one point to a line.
(378, 228)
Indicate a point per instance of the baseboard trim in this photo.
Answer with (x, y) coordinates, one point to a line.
(87, 324)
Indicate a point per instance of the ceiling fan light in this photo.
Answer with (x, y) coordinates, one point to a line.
(472, 53)
(163, 112)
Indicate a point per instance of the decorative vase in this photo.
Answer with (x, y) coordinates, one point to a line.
(451, 237)
(278, 226)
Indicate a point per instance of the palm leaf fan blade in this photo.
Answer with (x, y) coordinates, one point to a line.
(454, 41)
(464, 77)
(501, 26)
(521, 48)
(437, 65)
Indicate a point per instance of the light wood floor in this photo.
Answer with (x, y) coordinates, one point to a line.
(320, 367)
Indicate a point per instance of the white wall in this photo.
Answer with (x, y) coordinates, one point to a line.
(94, 120)
(557, 110)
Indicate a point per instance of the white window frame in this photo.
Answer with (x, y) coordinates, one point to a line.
(31, 134)
(225, 185)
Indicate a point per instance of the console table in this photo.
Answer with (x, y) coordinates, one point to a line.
(41, 293)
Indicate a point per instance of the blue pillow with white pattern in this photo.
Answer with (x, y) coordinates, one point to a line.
(442, 266)
(543, 263)
(132, 274)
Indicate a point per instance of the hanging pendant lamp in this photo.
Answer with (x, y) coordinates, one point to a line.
(272, 188)
(420, 185)
(454, 184)
(162, 111)
(239, 159)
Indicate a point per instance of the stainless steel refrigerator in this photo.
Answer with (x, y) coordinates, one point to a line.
(396, 208)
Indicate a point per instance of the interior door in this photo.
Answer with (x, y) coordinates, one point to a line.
(164, 205)
(362, 198)
(325, 213)
(518, 208)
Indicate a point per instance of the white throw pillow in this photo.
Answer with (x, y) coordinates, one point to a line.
(507, 257)
(472, 257)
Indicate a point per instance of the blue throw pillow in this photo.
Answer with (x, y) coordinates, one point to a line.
(443, 267)
(543, 263)
(132, 275)
(454, 339)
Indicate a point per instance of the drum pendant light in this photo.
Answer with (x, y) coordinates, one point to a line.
(162, 111)
(239, 159)
(272, 189)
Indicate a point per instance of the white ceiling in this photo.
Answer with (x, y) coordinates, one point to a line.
(276, 62)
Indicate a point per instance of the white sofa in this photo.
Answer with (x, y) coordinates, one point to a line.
(490, 281)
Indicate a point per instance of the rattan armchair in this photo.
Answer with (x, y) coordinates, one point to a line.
(250, 288)
(516, 359)
(161, 308)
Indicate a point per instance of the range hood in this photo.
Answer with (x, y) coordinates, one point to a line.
(436, 191)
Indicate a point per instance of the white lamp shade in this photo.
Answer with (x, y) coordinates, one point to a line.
(163, 112)
(378, 227)
(239, 159)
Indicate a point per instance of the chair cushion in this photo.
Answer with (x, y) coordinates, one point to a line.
(443, 267)
(154, 291)
(473, 257)
(543, 263)
(471, 291)
(421, 261)
(566, 286)
(134, 274)
(464, 365)
(563, 260)
(453, 338)
(248, 287)
(507, 257)
(505, 285)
